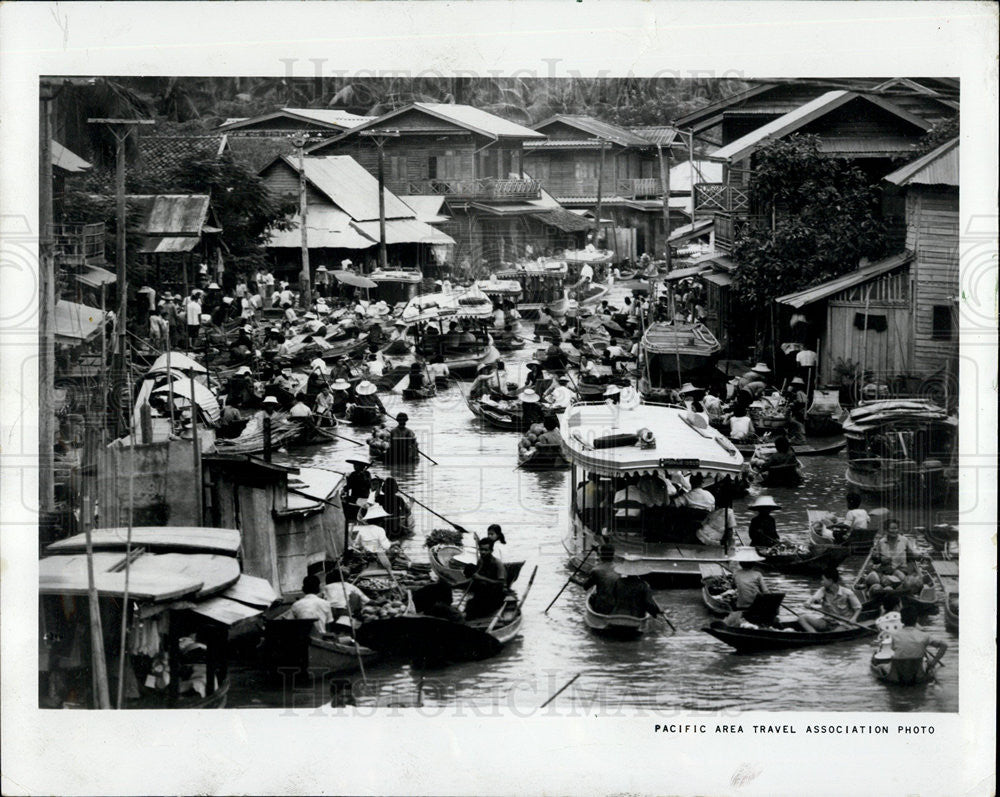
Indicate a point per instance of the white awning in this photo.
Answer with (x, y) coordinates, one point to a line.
(404, 231)
(76, 323)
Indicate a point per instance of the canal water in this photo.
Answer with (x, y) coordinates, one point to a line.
(476, 483)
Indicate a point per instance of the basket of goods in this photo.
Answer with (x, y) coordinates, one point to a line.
(443, 537)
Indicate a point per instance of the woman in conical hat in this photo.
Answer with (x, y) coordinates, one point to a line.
(763, 530)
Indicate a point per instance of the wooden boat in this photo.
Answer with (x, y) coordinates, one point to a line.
(947, 572)
(900, 447)
(940, 536)
(541, 284)
(508, 419)
(296, 643)
(472, 307)
(926, 600)
(897, 673)
(508, 342)
(440, 558)
(824, 414)
(781, 636)
(789, 475)
(395, 454)
(364, 415)
(798, 561)
(426, 640)
(420, 393)
(542, 457)
(284, 431)
(669, 347)
(810, 447)
(858, 541)
(622, 626)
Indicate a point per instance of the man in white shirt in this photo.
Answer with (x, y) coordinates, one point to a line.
(268, 280)
(192, 310)
(299, 409)
(311, 606)
(806, 360)
(559, 394)
(586, 274)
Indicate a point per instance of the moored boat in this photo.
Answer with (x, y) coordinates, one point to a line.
(542, 457)
(613, 625)
(900, 447)
(675, 351)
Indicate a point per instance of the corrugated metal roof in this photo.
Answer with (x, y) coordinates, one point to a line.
(564, 220)
(333, 118)
(95, 277)
(329, 227)
(464, 116)
(694, 117)
(405, 231)
(563, 143)
(690, 230)
(801, 116)
(67, 160)
(429, 208)
(161, 244)
(663, 135)
(878, 146)
(349, 186)
(596, 128)
(170, 214)
(862, 275)
(938, 167)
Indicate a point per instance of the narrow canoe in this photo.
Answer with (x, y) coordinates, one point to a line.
(295, 643)
(440, 558)
(804, 562)
(715, 582)
(926, 600)
(951, 611)
(783, 636)
(416, 394)
(900, 674)
(364, 415)
(613, 625)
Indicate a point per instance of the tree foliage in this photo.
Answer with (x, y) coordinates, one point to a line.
(825, 219)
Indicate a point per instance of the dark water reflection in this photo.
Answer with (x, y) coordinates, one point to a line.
(476, 483)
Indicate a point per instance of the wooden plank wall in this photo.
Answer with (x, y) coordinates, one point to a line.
(932, 234)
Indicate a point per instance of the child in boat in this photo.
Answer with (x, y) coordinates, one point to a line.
(856, 518)
(910, 644)
(888, 622)
(740, 426)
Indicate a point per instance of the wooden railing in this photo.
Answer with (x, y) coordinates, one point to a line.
(493, 188)
(641, 188)
(711, 197)
(730, 226)
(79, 244)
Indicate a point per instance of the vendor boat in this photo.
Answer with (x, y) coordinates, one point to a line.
(718, 592)
(420, 393)
(608, 444)
(364, 415)
(437, 310)
(801, 559)
(926, 600)
(506, 416)
(809, 447)
(901, 447)
(947, 572)
(541, 285)
(858, 541)
(621, 626)
(297, 644)
(454, 574)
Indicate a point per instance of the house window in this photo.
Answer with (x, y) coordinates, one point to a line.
(397, 168)
(942, 326)
(586, 170)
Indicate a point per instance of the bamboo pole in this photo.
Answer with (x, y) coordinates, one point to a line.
(99, 674)
(196, 454)
(128, 545)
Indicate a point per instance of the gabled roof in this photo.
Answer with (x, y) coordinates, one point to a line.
(827, 289)
(704, 117)
(800, 117)
(332, 118)
(161, 155)
(937, 167)
(465, 116)
(256, 152)
(170, 214)
(348, 185)
(705, 171)
(915, 86)
(662, 135)
(595, 128)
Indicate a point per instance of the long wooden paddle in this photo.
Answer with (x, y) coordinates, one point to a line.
(436, 514)
(838, 618)
(568, 580)
(559, 691)
(350, 616)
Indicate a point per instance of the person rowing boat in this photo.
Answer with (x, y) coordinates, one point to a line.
(830, 599)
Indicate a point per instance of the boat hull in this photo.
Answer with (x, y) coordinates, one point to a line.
(762, 640)
(619, 626)
(544, 457)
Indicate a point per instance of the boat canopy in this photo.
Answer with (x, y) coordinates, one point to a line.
(555, 269)
(678, 444)
(396, 275)
(498, 286)
(437, 306)
(679, 338)
(200, 539)
(175, 361)
(895, 412)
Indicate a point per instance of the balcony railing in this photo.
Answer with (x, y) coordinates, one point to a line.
(490, 188)
(640, 188)
(714, 197)
(78, 244)
(730, 226)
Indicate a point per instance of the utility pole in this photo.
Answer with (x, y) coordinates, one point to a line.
(120, 128)
(305, 287)
(665, 180)
(380, 137)
(597, 209)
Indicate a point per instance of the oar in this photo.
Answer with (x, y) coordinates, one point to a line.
(562, 689)
(350, 616)
(527, 589)
(663, 616)
(449, 522)
(572, 576)
(844, 620)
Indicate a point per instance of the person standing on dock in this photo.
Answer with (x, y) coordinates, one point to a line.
(192, 313)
